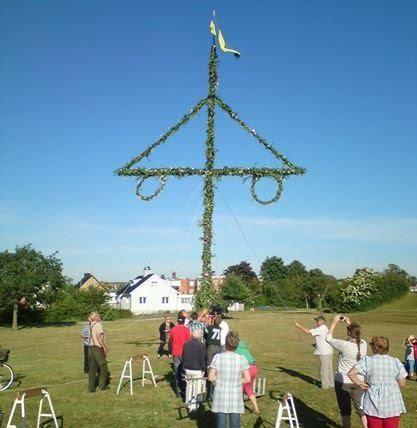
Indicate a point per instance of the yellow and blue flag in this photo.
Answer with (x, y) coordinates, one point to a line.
(222, 43)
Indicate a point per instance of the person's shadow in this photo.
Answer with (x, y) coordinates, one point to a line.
(311, 418)
(299, 375)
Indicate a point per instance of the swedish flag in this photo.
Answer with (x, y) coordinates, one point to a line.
(222, 43)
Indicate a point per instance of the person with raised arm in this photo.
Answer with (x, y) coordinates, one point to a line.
(351, 351)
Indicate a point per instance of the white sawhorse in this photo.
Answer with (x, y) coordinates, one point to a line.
(259, 386)
(127, 372)
(287, 405)
(195, 392)
(20, 401)
(147, 369)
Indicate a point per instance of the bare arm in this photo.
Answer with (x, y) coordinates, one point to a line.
(336, 319)
(212, 374)
(401, 382)
(353, 376)
(100, 339)
(245, 376)
(303, 329)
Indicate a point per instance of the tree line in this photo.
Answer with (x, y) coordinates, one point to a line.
(34, 288)
(293, 285)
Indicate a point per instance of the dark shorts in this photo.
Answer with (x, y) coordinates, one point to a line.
(346, 393)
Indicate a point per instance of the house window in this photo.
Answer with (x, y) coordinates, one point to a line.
(165, 299)
(142, 299)
(186, 300)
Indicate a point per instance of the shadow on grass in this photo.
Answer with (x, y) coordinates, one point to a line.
(17, 381)
(144, 343)
(50, 422)
(307, 416)
(169, 377)
(48, 324)
(262, 423)
(299, 375)
(311, 418)
(203, 417)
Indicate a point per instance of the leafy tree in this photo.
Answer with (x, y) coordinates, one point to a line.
(359, 288)
(75, 305)
(296, 269)
(321, 290)
(234, 289)
(273, 269)
(28, 278)
(394, 269)
(243, 270)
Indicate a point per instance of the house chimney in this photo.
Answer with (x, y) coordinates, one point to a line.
(146, 270)
(174, 275)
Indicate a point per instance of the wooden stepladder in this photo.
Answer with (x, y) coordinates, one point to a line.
(127, 372)
(20, 401)
(287, 405)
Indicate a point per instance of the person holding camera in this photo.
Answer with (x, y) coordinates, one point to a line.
(351, 351)
(323, 350)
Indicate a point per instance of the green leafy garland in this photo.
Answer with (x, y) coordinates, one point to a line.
(207, 294)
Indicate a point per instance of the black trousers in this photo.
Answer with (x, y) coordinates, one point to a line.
(86, 359)
(161, 347)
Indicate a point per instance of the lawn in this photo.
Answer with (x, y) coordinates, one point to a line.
(52, 356)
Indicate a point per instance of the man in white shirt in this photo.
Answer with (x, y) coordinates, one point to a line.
(324, 351)
(224, 329)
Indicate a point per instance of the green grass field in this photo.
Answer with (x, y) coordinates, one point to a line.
(52, 356)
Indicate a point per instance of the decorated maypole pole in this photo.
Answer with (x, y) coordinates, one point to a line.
(206, 294)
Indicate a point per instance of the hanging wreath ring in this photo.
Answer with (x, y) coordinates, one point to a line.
(277, 179)
(162, 181)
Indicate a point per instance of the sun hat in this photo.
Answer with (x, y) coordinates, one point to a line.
(320, 318)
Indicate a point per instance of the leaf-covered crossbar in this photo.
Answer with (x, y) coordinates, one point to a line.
(209, 172)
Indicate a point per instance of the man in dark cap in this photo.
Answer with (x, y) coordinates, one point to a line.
(324, 351)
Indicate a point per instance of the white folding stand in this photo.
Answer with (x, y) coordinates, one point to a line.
(127, 373)
(20, 401)
(287, 405)
(259, 386)
(46, 395)
(147, 369)
(195, 391)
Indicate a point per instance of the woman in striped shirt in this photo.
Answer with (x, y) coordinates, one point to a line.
(351, 350)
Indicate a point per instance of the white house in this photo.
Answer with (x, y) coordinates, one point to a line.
(149, 293)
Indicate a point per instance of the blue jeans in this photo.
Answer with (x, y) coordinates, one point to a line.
(222, 418)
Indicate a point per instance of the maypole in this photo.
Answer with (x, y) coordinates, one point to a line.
(207, 295)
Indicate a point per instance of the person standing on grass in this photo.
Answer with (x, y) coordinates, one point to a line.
(194, 361)
(409, 355)
(213, 337)
(383, 377)
(323, 350)
(97, 353)
(351, 351)
(196, 324)
(177, 338)
(242, 349)
(224, 330)
(229, 371)
(85, 337)
(164, 330)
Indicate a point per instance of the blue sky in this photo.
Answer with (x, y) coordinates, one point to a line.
(85, 86)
